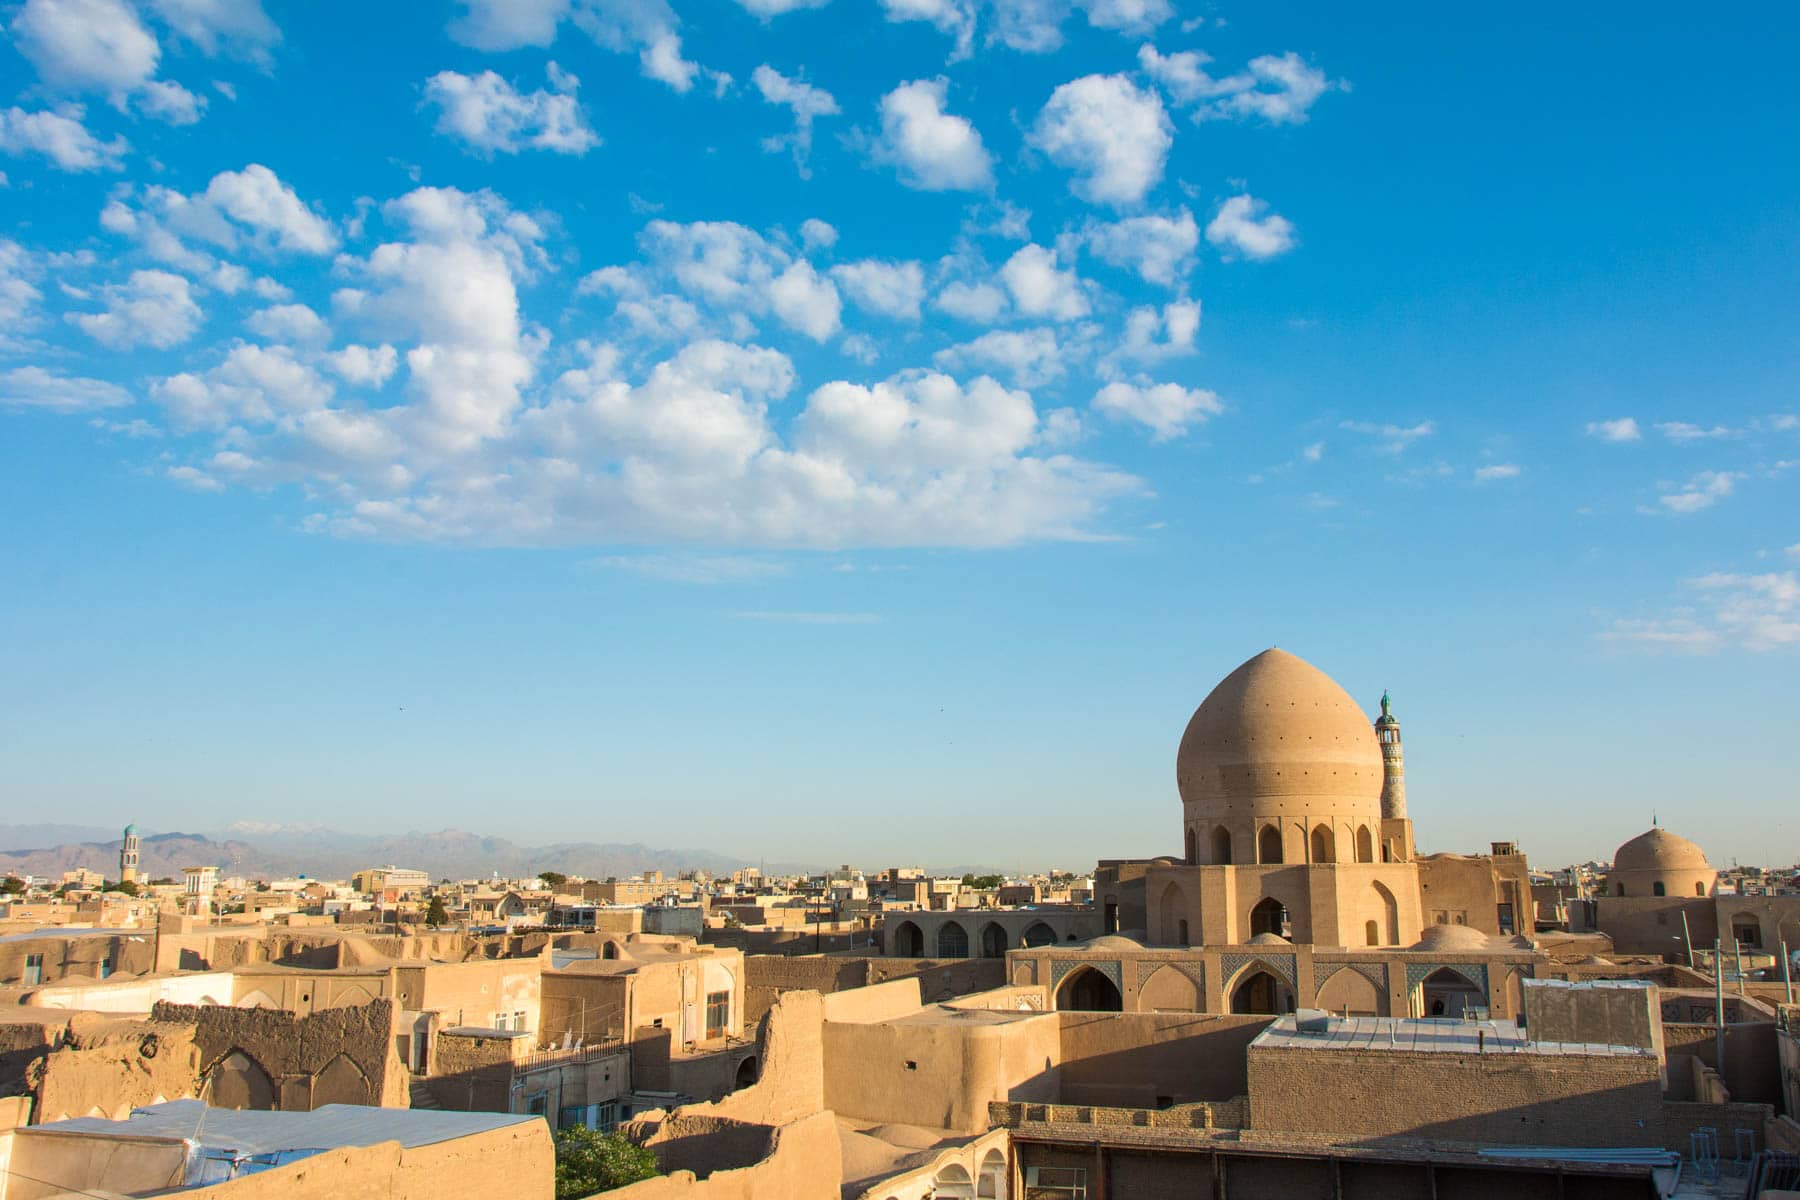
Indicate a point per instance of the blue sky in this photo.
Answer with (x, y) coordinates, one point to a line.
(866, 430)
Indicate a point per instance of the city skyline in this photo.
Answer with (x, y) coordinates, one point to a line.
(864, 432)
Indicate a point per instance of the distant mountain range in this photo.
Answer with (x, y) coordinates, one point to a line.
(275, 851)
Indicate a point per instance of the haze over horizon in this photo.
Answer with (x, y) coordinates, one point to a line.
(864, 431)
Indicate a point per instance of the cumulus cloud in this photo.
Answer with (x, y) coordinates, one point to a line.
(1620, 429)
(1244, 226)
(237, 28)
(806, 300)
(1031, 357)
(1152, 335)
(892, 289)
(1167, 409)
(953, 17)
(646, 28)
(934, 150)
(363, 366)
(1114, 135)
(1755, 612)
(1039, 288)
(1685, 431)
(1160, 249)
(734, 271)
(1497, 471)
(805, 101)
(101, 46)
(36, 387)
(250, 209)
(981, 303)
(1278, 88)
(292, 323)
(59, 136)
(1702, 491)
(153, 308)
(1028, 26)
(775, 8)
(489, 115)
(255, 384)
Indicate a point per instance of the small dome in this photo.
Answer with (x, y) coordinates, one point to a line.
(1660, 850)
(1454, 937)
(1268, 939)
(130, 829)
(1113, 941)
(1278, 737)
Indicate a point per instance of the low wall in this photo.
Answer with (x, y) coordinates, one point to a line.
(879, 1002)
(1149, 1060)
(518, 1162)
(801, 1163)
(939, 1074)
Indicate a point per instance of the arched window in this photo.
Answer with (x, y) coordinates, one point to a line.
(952, 941)
(1619, 889)
(1039, 934)
(1699, 889)
(1372, 933)
(1269, 916)
(1087, 990)
(993, 940)
(1190, 846)
(1657, 889)
(1323, 844)
(1365, 844)
(908, 941)
(1221, 846)
(1268, 844)
(610, 950)
(1181, 932)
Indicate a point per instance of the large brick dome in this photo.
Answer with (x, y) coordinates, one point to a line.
(1278, 738)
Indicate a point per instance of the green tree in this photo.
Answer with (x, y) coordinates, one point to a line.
(554, 878)
(588, 1161)
(128, 886)
(14, 886)
(435, 913)
(983, 882)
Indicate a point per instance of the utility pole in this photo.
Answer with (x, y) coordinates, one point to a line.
(1787, 978)
(1718, 1009)
(1687, 939)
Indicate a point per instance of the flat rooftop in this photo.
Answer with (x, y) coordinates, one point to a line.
(943, 1014)
(251, 1132)
(1429, 1035)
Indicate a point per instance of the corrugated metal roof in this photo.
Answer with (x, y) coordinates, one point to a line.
(325, 1128)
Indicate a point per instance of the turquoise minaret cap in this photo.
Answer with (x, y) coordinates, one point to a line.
(1384, 702)
(130, 829)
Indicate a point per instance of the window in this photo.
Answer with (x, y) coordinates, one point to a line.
(34, 968)
(1657, 889)
(718, 1014)
(1372, 933)
(606, 1117)
(538, 1105)
(1056, 1183)
(106, 967)
(1505, 913)
(1699, 889)
(519, 1021)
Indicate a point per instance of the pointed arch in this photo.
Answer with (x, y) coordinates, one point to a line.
(993, 940)
(1169, 990)
(1258, 990)
(341, 1082)
(1190, 846)
(1173, 914)
(1380, 909)
(1365, 845)
(952, 940)
(1268, 844)
(1038, 934)
(1221, 846)
(1448, 992)
(257, 998)
(354, 996)
(907, 941)
(1350, 991)
(747, 1072)
(1087, 990)
(1269, 916)
(1324, 844)
(238, 1081)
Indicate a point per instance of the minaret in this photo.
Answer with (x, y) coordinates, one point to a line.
(1393, 763)
(128, 856)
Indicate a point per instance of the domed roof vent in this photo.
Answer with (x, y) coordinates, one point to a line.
(1659, 850)
(1268, 939)
(1454, 937)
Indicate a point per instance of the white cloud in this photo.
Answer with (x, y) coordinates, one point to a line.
(893, 289)
(18, 295)
(256, 199)
(1393, 439)
(1683, 431)
(981, 303)
(35, 387)
(1496, 471)
(1756, 612)
(239, 28)
(1280, 89)
(363, 366)
(489, 115)
(806, 300)
(253, 384)
(1702, 491)
(1620, 429)
(1167, 409)
(953, 17)
(646, 28)
(1239, 227)
(86, 45)
(934, 150)
(59, 136)
(1039, 289)
(817, 234)
(1159, 249)
(293, 323)
(194, 479)
(805, 101)
(154, 308)
(1313, 453)
(775, 8)
(1151, 335)
(1031, 357)
(1028, 26)
(1111, 133)
(169, 101)
(250, 208)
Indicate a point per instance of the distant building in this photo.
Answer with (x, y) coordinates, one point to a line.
(128, 856)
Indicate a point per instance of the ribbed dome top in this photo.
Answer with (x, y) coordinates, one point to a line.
(1279, 735)
(1660, 850)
